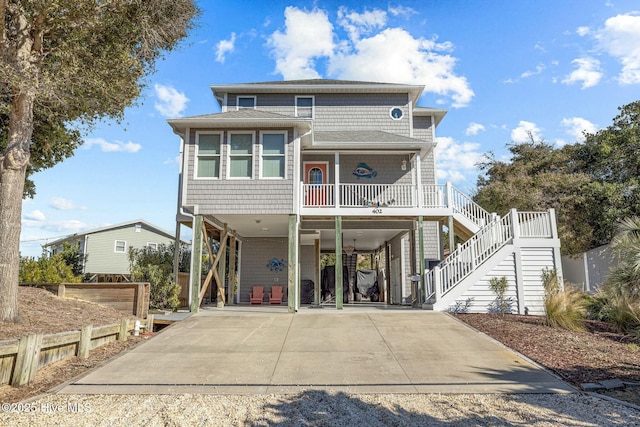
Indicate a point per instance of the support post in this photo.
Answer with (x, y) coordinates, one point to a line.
(387, 272)
(436, 283)
(452, 235)
(336, 180)
(422, 288)
(196, 264)
(316, 272)
(84, 345)
(519, 279)
(515, 226)
(339, 290)
(293, 264)
(222, 270)
(232, 270)
(27, 360)
(124, 328)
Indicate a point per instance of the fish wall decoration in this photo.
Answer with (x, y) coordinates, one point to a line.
(364, 171)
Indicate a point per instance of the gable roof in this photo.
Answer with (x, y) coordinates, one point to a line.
(113, 227)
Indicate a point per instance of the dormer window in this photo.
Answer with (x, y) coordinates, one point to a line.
(246, 102)
(304, 106)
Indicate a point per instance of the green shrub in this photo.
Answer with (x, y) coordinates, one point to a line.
(565, 307)
(46, 269)
(501, 304)
(156, 267)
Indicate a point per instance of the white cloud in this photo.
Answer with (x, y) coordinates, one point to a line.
(370, 52)
(111, 147)
(402, 11)
(588, 72)
(225, 46)
(35, 216)
(456, 162)
(63, 204)
(583, 31)
(171, 102)
(577, 126)
(620, 38)
(525, 131)
(529, 73)
(357, 24)
(474, 128)
(307, 36)
(395, 55)
(172, 161)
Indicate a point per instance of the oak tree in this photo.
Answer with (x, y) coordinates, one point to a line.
(64, 65)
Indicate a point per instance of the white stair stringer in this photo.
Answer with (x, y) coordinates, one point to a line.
(458, 291)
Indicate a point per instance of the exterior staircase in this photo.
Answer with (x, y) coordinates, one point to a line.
(518, 246)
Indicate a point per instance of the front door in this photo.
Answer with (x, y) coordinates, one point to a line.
(315, 175)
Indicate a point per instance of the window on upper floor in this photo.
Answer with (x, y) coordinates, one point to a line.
(246, 102)
(208, 151)
(120, 246)
(304, 106)
(273, 154)
(240, 155)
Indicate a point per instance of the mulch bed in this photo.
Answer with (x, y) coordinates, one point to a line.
(599, 353)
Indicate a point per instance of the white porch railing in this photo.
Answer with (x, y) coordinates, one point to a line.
(394, 195)
(388, 195)
(475, 251)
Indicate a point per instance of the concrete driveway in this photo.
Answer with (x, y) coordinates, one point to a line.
(267, 350)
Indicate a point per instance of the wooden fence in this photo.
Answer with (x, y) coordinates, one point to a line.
(131, 298)
(20, 359)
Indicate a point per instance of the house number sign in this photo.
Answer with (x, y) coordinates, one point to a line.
(377, 211)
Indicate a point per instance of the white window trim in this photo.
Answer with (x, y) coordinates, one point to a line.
(195, 160)
(115, 247)
(253, 153)
(313, 104)
(286, 144)
(152, 245)
(255, 102)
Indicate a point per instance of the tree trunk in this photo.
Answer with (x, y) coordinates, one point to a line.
(13, 168)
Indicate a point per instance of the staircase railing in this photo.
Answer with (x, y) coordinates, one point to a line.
(463, 204)
(483, 245)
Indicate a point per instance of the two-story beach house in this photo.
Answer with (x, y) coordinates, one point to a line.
(290, 170)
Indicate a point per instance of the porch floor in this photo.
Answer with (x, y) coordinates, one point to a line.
(257, 350)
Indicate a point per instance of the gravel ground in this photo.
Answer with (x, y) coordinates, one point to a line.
(320, 408)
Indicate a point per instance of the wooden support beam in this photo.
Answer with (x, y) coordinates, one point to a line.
(292, 264)
(196, 264)
(84, 346)
(339, 290)
(212, 270)
(27, 360)
(232, 270)
(124, 328)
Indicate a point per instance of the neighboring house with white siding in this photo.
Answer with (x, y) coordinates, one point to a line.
(107, 248)
(289, 170)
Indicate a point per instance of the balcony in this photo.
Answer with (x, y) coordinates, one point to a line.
(391, 200)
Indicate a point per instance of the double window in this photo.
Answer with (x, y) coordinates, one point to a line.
(208, 151)
(273, 154)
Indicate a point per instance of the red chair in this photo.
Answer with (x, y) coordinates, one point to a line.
(257, 295)
(275, 296)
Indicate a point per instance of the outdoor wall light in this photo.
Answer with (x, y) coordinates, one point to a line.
(403, 166)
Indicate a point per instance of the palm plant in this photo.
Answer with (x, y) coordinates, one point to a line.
(622, 286)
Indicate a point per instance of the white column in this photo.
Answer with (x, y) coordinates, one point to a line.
(336, 180)
(419, 179)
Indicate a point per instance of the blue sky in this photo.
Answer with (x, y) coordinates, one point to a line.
(554, 68)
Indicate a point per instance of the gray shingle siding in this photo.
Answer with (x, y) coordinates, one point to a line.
(246, 196)
(256, 254)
